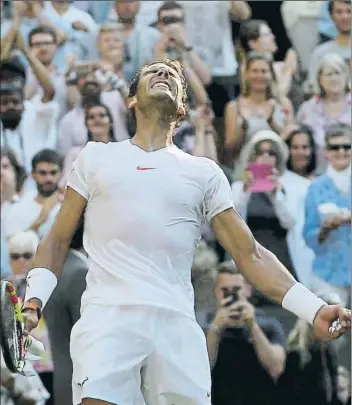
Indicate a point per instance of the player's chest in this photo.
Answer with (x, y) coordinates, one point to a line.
(150, 184)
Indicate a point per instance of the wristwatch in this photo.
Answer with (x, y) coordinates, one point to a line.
(31, 306)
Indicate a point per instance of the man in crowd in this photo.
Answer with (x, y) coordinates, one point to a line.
(174, 44)
(43, 43)
(340, 12)
(244, 345)
(27, 126)
(72, 127)
(208, 27)
(38, 213)
(139, 40)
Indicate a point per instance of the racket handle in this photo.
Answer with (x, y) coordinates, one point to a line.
(35, 346)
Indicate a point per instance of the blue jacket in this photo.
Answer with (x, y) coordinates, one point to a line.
(332, 260)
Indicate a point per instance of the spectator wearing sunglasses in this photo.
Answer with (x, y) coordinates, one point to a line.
(38, 212)
(22, 247)
(327, 227)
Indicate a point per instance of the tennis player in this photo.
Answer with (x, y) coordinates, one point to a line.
(144, 201)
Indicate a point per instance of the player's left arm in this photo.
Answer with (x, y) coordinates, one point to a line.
(259, 266)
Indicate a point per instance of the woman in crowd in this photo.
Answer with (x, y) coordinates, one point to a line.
(21, 249)
(256, 35)
(269, 214)
(13, 176)
(302, 152)
(99, 123)
(327, 228)
(310, 375)
(331, 102)
(258, 107)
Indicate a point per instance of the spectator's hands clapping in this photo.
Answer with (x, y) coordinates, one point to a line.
(79, 26)
(48, 205)
(291, 62)
(177, 34)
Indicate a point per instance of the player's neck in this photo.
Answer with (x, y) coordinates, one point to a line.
(152, 133)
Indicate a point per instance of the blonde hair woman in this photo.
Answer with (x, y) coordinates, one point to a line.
(311, 369)
(259, 106)
(330, 103)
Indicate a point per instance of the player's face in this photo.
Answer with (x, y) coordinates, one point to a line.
(160, 82)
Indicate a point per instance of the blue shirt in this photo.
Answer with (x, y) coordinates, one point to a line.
(332, 260)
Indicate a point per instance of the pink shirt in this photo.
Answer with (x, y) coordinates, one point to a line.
(72, 128)
(314, 114)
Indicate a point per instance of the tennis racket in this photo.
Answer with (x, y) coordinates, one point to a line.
(14, 344)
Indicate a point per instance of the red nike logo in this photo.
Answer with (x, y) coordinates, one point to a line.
(145, 168)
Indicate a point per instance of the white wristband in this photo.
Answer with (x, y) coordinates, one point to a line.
(41, 283)
(302, 302)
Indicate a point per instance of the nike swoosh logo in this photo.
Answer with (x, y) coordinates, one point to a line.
(145, 168)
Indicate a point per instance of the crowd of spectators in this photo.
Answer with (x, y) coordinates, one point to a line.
(269, 100)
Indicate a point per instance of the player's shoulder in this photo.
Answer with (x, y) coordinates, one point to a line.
(204, 164)
(101, 149)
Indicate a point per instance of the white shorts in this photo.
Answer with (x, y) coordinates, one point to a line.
(135, 355)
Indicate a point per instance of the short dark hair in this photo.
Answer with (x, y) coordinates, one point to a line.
(307, 130)
(249, 31)
(338, 129)
(47, 156)
(20, 172)
(228, 267)
(169, 5)
(331, 4)
(42, 29)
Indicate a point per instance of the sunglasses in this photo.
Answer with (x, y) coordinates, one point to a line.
(17, 256)
(262, 152)
(46, 172)
(344, 146)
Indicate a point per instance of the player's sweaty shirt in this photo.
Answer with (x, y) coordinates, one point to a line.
(143, 219)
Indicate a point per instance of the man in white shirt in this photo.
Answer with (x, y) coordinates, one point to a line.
(28, 126)
(137, 340)
(38, 212)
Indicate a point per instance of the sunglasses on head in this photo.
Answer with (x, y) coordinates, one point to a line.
(17, 256)
(344, 146)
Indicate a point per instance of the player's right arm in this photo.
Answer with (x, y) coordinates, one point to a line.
(51, 256)
(53, 249)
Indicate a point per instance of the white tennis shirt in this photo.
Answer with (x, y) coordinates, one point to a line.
(143, 221)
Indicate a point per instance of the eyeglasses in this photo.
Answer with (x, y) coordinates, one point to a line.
(46, 172)
(269, 152)
(17, 256)
(344, 146)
